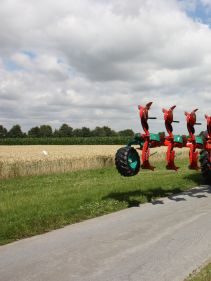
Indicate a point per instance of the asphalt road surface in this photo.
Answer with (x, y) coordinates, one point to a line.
(162, 241)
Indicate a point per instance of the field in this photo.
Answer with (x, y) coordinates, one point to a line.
(36, 204)
(47, 187)
(31, 160)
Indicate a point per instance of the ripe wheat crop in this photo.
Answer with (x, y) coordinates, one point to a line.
(29, 160)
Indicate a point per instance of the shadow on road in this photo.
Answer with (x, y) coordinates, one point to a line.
(154, 195)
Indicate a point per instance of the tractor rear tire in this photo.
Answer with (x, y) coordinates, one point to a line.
(205, 166)
(127, 161)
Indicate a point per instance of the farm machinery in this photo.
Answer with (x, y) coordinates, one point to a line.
(128, 162)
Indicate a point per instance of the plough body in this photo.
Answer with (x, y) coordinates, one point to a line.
(128, 159)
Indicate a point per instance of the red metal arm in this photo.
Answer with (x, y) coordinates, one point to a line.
(169, 118)
(191, 122)
(143, 112)
(169, 140)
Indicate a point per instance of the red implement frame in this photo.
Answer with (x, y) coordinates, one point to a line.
(169, 140)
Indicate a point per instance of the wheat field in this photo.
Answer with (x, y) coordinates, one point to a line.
(29, 160)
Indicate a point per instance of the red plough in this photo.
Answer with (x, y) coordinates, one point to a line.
(128, 160)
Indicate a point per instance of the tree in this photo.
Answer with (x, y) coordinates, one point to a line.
(46, 131)
(126, 133)
(77, 133)
(109, 132)
(15, 132)
(85, 132)
(56, 133)
(3, 132)
(34, 132)
(99, 132)
(103, 132)
(65, 131)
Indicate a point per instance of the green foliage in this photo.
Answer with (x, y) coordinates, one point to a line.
(99, 132)
(15, 132)
(34, 132)
(77, 133)
(65, 141)
(85, 132)
(103, 132)
(64, 135)
(32, 205)
(109, 132)
(127, 132)
(3, 132)
(65, 131)
(46, 131)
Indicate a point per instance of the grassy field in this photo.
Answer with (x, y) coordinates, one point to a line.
(30, 160)
(36, 204)
(203, 275)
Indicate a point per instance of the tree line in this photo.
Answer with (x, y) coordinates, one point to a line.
(46, 131)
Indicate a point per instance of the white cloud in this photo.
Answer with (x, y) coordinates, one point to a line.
(94, 61)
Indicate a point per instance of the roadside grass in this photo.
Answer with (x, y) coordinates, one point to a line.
(203, 275)
(37, 204)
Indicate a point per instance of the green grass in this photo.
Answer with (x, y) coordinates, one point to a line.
(203, 275)
(34, 205)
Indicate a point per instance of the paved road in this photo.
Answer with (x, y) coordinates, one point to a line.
(163, 241)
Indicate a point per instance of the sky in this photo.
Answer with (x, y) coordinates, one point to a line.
(92, 62)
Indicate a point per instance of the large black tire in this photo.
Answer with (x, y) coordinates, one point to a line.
(205, 166)
(127, 161)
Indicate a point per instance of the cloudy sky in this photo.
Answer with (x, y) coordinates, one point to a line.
(91, 62)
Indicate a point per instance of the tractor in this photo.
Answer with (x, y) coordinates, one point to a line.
(127, 159)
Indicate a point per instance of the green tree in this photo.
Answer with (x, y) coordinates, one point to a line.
(77, 133)
(126, 133)
(65, 131)
(3, 132)
(85, 132)
(15, 132)
(103, 132)
(56, 133)
(34, 132)
(99, 132)
(46, 131)
(109, 132)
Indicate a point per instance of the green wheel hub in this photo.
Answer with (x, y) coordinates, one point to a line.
(133, 160)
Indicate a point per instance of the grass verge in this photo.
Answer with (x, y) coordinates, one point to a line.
(37, 204)
(203, 275)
